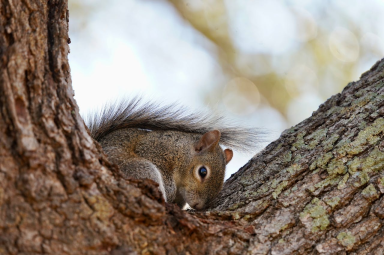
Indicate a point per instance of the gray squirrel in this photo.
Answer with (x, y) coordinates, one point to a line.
(179, 151)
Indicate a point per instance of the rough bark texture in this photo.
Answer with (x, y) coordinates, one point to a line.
(317, 189)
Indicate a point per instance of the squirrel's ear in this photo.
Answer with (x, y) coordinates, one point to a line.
(208, 141)
(228, 155)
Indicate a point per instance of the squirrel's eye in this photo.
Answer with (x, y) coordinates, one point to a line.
(203, 172)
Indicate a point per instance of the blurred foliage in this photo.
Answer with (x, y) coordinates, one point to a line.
(326, 54)
(81, 13)
(289, 55)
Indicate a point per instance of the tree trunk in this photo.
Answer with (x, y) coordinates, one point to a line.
(317, 189)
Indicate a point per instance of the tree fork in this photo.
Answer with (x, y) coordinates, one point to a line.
(317, 189)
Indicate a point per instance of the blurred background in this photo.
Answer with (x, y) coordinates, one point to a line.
(266, 64)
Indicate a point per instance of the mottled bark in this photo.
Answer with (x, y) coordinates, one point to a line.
(317, 189)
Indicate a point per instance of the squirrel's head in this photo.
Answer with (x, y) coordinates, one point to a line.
(205, 174)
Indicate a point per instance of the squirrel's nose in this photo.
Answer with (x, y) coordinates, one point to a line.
(197, 206)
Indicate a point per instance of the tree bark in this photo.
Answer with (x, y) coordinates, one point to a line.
(318, 189)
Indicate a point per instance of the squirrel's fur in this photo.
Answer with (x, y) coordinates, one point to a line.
(151, 116)
(179, 151)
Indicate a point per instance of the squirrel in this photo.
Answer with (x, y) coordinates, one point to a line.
(179, 151)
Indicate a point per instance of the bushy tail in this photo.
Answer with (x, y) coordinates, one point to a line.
(152, 116)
